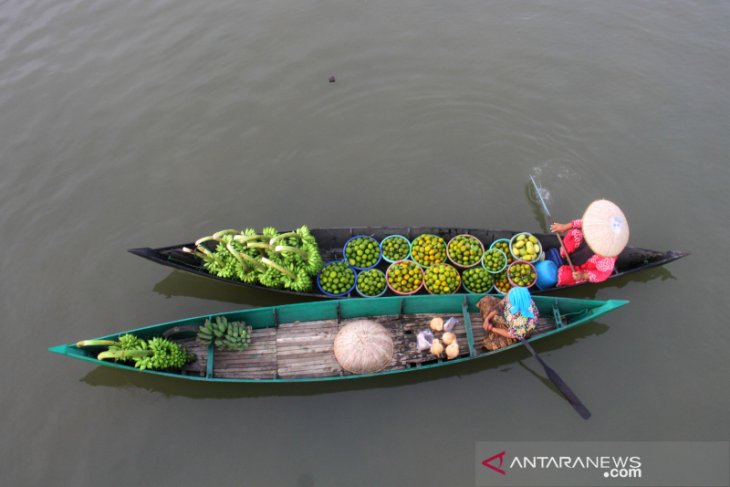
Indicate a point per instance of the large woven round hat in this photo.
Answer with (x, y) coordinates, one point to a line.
(605, 228)
(364, 347)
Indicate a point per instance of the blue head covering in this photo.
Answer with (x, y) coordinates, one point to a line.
(519, 299)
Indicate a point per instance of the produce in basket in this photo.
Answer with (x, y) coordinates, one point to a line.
(428, 250)
(395, 248)
(494, 260)
(371, 282)
(337, 278)
(362, 252)
(522, 274)
(477, 280)
(405, 276)
(442, 279)
(501, 283)
(465, 250)
(526, 247)
(503, 245)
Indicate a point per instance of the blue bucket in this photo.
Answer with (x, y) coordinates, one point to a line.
(547, 274)
(368, 237)
(319, 285)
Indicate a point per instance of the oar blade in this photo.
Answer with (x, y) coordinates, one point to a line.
(567, 393)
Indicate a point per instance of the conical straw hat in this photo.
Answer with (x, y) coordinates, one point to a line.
(605, 228)
(364, 347)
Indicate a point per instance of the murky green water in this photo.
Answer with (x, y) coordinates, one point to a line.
(127, 124)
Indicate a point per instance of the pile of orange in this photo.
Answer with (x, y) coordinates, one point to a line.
(404, 277)
(428, 250)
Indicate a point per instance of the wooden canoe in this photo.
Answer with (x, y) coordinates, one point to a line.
(332, 240)
(293, 343)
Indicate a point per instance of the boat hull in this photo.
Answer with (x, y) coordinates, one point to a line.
(332, 240)
(559, 314)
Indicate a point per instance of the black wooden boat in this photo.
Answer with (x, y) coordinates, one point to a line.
(332, 240)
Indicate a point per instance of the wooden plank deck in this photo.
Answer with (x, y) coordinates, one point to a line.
(306, 349)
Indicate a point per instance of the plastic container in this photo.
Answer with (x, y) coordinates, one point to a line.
(512, 283)
(516, 257)
(395, 236)
(506, 261)
(398, 263)
(319, 284)
(547, 274)
(432, 269)
(466, 287)
(510, 257)
(367, 237)
(471, 237)
(357, 286)
(413, 257)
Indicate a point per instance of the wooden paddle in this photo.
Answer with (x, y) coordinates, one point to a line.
(560, 384)
(549, 217)
(552, 375)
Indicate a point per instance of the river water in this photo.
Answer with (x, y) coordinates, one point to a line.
(148, 123)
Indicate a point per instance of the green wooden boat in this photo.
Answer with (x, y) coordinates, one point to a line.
(294, 343)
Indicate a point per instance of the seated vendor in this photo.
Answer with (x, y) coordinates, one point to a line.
(593, 247)
(512, 317)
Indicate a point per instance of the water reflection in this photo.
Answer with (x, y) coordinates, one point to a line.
(179, 283)
(103, 376)
(591, 291)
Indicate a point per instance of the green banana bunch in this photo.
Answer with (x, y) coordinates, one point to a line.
(225, 335)
(273, 259)
(156, 353)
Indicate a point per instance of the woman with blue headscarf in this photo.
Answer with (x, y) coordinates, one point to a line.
(512, 318)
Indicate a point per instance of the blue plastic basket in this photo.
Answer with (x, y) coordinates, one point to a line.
(408, 256)
(319, 285)
(380, 252)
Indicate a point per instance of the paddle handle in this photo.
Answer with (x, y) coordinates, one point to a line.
(548, 216)
(567, 256)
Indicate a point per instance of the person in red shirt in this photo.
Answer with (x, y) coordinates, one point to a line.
(589, 266)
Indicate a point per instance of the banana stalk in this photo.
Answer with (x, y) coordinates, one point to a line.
(258, 245)
(279, 268)
(220, 234)
(296, 250)
(124, 354)
(242, 239)
(284, 235)
(95, 343)
(243, 259)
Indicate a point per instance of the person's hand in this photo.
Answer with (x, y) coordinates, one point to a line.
(560, 227)
(487, 325)
(580, 276)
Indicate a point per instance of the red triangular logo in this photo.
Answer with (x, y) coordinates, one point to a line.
(487, 463)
